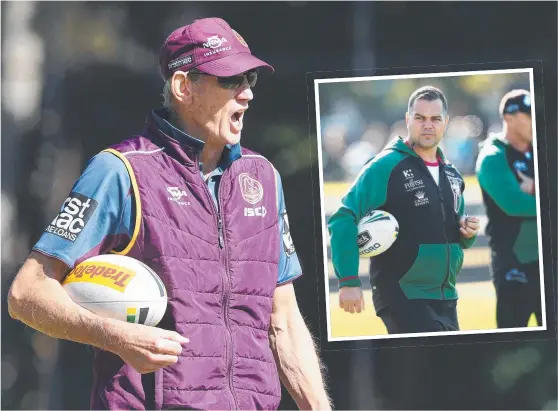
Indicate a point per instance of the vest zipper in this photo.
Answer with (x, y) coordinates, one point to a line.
(220, 230)
(226, 286)
(226, 293)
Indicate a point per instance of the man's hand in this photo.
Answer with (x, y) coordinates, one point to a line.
(527, 184)
(351, 299)
(37, 299)
(469, 226)
(148, 349)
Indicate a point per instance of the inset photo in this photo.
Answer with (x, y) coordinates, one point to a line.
(430, 204)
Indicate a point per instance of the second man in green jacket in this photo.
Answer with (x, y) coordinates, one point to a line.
(413, 282)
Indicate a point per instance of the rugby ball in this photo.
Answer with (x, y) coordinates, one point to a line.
(377, 231)
(119, 287)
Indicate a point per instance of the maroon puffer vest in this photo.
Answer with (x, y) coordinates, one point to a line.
(220, 287)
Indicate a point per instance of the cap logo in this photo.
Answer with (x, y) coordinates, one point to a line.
(239, 38)
(252, 190)
(214, 42)
(527, 101)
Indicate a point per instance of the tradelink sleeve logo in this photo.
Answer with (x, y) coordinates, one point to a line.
(74, 215)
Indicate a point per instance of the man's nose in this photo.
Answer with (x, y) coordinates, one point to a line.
(429, 124)
(245, 93)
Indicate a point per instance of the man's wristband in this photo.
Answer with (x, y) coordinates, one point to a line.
(350, 282)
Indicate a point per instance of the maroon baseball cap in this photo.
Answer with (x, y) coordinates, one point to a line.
(209, 45)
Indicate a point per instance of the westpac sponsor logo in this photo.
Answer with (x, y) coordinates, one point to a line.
(72, 218)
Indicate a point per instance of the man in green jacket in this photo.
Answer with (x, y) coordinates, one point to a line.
(413, 282)
(506, 174)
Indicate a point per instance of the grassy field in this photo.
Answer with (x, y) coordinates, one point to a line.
(476, 310)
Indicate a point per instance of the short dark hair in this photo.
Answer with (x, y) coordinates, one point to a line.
(428, 93)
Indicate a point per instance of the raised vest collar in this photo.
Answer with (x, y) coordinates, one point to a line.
(183, 145)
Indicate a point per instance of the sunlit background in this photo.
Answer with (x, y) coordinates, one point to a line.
(78, 76)
(358, 118)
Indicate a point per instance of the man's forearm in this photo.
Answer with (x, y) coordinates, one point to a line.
(298, 364)
(344, 253)
(39, 301)
(498, 181)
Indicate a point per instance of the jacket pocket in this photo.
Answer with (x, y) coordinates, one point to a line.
(456, 259)
(455, 264)
(427, 274)
(526, 247)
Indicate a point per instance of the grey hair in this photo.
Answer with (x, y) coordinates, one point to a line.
(428, 93)
(168, 98)
(167, 95)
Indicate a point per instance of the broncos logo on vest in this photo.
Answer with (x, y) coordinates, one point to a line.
(251, 189)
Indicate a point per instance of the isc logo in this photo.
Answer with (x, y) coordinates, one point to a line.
(70, 221)
(257, 212)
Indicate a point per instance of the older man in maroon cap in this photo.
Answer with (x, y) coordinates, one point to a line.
(209, 217)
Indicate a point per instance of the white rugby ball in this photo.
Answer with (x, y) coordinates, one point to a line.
(119, 287)
(377, 231)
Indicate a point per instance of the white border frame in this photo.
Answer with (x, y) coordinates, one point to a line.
(325, 233)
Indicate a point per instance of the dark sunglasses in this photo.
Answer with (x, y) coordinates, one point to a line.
(233, 82)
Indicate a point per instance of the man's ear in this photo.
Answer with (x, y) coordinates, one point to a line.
(181, 87)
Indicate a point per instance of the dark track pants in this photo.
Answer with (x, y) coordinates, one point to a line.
(420, 316)
(518, 294)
